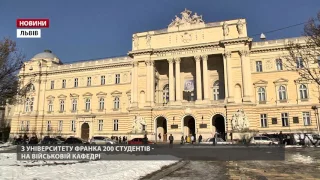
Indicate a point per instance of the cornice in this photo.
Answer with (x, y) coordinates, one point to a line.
(236, 41)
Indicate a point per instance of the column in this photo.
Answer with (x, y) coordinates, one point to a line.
(148, 100)
(205, 77)
(227, 57)
(246, 75)
(134, 93)
(198, 74)
(225, 77)
(171, 81)
(152, 88)
(178, 83)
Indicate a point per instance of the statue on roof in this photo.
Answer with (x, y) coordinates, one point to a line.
(240, 26)
(225, 29)
(148, 37)
(196, 19)
(135, 41)
(186, 19)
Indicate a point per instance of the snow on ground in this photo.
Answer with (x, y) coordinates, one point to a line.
(299, 158)
(10, 168)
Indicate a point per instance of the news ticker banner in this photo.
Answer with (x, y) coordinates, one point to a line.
(149, 152)
(31, 28)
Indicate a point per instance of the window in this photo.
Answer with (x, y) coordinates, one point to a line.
(300, 62)
(100, 125)
(27, 126)
(279, 64)
(76, 82)
(31, 88)
(262, 94)
(50, 106)
(216, 91)
(73, 125)
(74, 105)
(103, 80)
(116, 103)
(117, 78)
(61, 105)
(166, 94)
(306, 118)
(285, 119)
(48, 125)
(259, 66)
(60, 126)
(21, 126)
(303, 91)
(64, 82)
(87, 104)
(101, 103)
(263, 120)
(29, 105)
(89, 81)
(52, 85)
(282, 93)
(115, 124)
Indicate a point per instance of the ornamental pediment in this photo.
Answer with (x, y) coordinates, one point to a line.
(61, 96)
(87, 94)
(50, 97)
(302, 81)
(74, 95)
(116, 93)
(101, 93)
(260, 82)
(281, 80)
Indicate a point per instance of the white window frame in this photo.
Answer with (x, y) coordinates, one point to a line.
(87, 104)
(73, 126)
(306, 116)
(216, 89)
(60, 125)
(88, 81)
(299, 62)
(101, 103)
(27, 126)
(115, 125)
(27, 105)
(50, 105)
(61, 105)
(165, 93)
(117, 81)
(263, 120)
(52, 85)
(48, 125)
(285, 119)
(100, 125)
(74, 104)
(116, 103)
(76, 82)
(259, 67)
(303, 91)
(279, 64)
(262, 94)
(64, 83)
(103, 80)
(21, 125)
(282, 93)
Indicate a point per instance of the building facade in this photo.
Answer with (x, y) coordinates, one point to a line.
(190, 78)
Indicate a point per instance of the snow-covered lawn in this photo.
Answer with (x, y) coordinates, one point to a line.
(10, 168)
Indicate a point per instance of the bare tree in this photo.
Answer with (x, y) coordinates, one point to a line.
(11, 60)
(304, 57)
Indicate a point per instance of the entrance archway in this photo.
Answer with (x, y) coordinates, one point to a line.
(85, 131)
(189, 126)
(161, 128)
(218, 122)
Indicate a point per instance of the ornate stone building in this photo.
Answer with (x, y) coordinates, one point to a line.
(190, 78)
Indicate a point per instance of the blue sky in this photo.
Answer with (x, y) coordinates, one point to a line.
(110, 24)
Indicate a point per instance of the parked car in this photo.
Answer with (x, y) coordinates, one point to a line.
(219, 141)
(61, 138)
(260, 140)
(100, 140)
(75, 140)
(275, 140)
(51, 141)
(138, 141)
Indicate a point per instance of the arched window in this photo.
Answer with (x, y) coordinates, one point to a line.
(31, 87)
(116, 102)
(262, 94)
(279, 64)
(216, 91)
(87, 104)
(50, 106)
(166, 94)
(61, 105)
(31, 104)
(74, 104)
(282, 93)
(101, 103)
(303, 91)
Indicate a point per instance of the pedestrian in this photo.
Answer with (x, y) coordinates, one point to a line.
(281, 137)
(117, 138)
(200, 138)
(159, 136)
(192, 139)
(230, 135)
(124, 140)
(182, 140)
(186, 139)
(171, 139)
(145, 140)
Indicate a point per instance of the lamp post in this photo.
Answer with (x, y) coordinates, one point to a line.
(315, 108)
